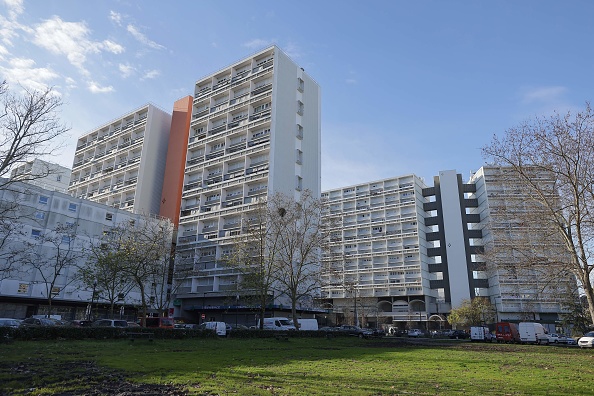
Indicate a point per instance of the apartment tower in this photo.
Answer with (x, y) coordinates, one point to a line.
(254, 131)
(122, 163)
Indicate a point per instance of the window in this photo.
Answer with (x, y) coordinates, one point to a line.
(43, 200)
(299, 132)
(36, 234)
(299, 156)
(299, 107)
(72, 207)
(109, 216)
(59, 178)
(39, 215)
(300, 84)
(66, 239)
(299, 183)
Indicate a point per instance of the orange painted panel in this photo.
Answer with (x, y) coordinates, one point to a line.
(176, 159)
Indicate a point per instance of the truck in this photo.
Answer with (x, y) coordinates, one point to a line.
(277, 324)
(480, 333)
(507, 332)
(307, 324)
(532, 332)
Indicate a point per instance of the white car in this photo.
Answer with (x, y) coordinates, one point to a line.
(554, 338)
(587, 341)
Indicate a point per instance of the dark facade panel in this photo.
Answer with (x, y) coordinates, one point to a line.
(471, 203)
(475, 233)
(483, 283)
(437, 284)
(429, 191)
(432, 252)
(431, 221)
(436, 267)
(476, 249)
(477, 266)
(429, 206)
(469, 188)
(432, 236)
(473, 218)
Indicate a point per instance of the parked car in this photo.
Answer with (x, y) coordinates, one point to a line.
(9, 322)
(377, 332)
(81, 323)
(329, 329)
(110, 323)
(415, 333)
(554, 338)
(570, 340)
(355, 331)
(186, 326)
(38, 322)
(587, 341)
(459, 334)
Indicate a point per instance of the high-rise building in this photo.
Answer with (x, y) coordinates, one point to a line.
(255, 131)
(122, 163)
(43, 174)
(402, 252)
(376, 265)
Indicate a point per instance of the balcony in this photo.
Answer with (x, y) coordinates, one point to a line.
(262, 88)
(195, 160)
(201, 113)
(215, 154)
(218, 128)
(261, 114)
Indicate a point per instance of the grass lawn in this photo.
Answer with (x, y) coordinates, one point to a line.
(339, 366)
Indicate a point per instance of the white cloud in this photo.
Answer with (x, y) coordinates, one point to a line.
(3, 51)
(126, 70)
(543, 94)
(23, 71)
(72, 40)
(15, 8)
(70, 82)
(256, 44)
(151, 74)
(133, 30)
(116, 17)
(112, 47)
(96, 88)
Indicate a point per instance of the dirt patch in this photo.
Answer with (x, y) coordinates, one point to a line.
(75, 378)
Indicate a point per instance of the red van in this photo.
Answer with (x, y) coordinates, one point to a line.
(163, 323)
(507, 332)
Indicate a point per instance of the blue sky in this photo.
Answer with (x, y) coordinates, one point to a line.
(407, 86)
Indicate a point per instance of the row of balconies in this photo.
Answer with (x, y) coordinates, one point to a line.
(106, 171)
(228, 176)
(100, 154)
(114, 132)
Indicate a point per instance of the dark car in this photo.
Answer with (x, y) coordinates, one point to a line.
(81, 323)
(38, 322)
(355, 331)
(459, 334)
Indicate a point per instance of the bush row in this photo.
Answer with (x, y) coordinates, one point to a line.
(79, 333)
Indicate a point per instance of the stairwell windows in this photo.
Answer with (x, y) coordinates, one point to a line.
(300, 84)
(299, 107)
(298, 156)
(298, 183)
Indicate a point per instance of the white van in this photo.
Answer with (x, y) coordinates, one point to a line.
(307, 324)
(277, 324)
(218, 327)
(480, 333)
(533, 333)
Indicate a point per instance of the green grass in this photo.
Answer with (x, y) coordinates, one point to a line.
(340, 366)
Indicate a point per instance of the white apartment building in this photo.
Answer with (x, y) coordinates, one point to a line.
(43, 174)
(35, 212)
(405, 254)
(255, 131)
(122, 163)
(509, 222)
(376, 267)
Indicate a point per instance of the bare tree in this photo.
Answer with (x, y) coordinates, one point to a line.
(54, 257)
(104, 272)
(145, 249)
(302, 237)
(561, 146)
(252, 256)
(29, 128)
